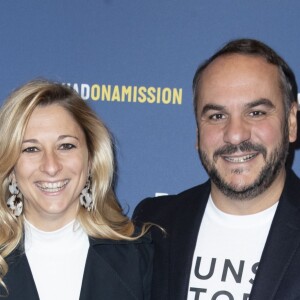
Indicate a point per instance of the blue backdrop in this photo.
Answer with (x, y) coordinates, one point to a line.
(133, 61)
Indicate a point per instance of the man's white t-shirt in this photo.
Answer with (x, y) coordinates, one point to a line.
(227, 254)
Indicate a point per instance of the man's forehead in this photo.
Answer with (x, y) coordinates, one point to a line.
(237, 61)
(235, 71)
(245, 78)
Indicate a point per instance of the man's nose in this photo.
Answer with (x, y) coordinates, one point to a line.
(237, 131)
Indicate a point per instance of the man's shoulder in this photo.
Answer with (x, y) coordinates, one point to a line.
(158, 207)
(182, 196)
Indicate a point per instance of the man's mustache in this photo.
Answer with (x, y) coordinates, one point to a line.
(243, 147)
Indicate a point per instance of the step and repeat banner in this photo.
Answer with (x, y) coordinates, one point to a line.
(133, 62)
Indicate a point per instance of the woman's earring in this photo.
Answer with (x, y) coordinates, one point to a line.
(15, 202)
(86, 199)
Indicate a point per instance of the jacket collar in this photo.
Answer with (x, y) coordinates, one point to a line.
(282, 242)
(183, 237)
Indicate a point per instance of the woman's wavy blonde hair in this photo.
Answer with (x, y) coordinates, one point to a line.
(106, 219)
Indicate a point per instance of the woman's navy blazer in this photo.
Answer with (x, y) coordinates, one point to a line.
(114, 270)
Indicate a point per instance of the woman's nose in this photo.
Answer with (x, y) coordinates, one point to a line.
(51, 163)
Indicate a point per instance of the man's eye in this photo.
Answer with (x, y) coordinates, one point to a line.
(257, 113)
(66, 146)
(30, 149)
(217, 117)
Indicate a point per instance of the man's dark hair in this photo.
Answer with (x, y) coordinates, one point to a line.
(253, 47)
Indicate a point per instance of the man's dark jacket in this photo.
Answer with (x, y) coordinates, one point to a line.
(114, 270)
(278, 275)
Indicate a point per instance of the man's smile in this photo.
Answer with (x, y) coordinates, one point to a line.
(240, 159)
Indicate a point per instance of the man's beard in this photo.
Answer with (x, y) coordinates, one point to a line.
(267, 175)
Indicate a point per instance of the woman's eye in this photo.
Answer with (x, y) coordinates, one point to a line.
(30, 149)
(66, 146)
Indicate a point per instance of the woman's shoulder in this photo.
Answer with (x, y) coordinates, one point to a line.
(126, 253)
(134, 239)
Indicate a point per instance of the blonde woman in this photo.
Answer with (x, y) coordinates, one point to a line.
(63, 234)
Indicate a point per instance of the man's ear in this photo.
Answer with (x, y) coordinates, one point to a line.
(293, 123)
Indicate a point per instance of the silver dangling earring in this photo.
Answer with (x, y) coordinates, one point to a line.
(15, 202)
(86, 199)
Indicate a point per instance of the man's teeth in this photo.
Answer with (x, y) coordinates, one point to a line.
(239, 159)
(52, 186)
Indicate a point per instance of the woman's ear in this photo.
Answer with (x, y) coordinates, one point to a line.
(12, 176)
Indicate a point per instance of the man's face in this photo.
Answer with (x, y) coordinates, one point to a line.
(243, 134)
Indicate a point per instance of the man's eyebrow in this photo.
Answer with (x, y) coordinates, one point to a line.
(262, 101)
(208, 107)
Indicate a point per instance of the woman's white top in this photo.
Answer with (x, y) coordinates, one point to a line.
(57, 260)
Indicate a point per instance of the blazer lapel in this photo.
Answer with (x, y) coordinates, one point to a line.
(100, 281)
(19, 279)
(110, 271)
(281, 245)
(183, 238)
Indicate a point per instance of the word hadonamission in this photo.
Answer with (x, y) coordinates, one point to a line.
(133, 94)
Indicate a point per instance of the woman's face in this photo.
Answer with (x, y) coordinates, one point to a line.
(52, 168)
